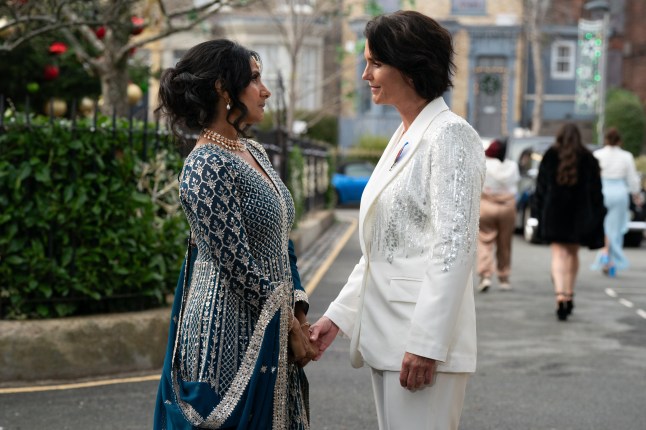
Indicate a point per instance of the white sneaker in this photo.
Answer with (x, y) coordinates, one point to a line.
(504, 284)
(484, 284)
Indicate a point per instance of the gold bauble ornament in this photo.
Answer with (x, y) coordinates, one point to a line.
(7, 32)
(134, 94)
(55, 107)
(86, 107)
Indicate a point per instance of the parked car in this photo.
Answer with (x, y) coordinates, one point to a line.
(350, 180)
(528, 153)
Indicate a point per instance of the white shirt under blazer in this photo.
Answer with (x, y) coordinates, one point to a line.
(412, 289)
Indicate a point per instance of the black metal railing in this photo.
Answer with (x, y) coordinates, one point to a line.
(277, 142)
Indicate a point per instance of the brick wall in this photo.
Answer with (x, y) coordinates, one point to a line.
(634, 48)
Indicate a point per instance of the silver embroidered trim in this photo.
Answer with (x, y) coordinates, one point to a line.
(300, 296)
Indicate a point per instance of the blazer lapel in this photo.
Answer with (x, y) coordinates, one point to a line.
(387, 169)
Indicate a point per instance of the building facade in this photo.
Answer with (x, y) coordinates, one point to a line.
(488, 56)
(297, 41)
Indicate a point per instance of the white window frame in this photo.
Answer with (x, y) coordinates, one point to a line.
(556, 59)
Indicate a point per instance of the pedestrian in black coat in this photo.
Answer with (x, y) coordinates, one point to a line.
(568, 204)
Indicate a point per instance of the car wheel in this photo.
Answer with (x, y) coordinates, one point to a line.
(633, 239)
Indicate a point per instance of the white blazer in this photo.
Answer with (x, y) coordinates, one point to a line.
(412, 289)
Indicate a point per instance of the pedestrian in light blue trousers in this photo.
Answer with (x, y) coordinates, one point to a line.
(619, 180)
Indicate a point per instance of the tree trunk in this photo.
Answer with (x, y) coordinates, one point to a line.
(539, 83)
(114, 87)
(113, 66)
(535, 13)
(292, 92)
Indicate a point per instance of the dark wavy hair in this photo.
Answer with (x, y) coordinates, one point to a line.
(417, 45)
(187, 92)
(569, 147)
(613, 138)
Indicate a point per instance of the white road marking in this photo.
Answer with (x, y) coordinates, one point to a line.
(626, 303)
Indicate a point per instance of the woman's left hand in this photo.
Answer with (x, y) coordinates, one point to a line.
(417, 371)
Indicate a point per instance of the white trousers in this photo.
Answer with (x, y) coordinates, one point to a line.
(435, 407)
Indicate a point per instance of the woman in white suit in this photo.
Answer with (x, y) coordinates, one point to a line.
(408, 305)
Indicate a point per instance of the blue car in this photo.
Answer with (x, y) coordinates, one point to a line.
(350, 180)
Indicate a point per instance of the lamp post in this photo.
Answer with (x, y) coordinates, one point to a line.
(594, 7)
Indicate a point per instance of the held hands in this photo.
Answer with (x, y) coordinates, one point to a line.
(322, 334)
(417, 371)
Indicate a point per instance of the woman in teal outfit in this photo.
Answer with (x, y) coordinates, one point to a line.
(227, 364)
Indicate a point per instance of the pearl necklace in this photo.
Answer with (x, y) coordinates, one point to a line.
(233, 145)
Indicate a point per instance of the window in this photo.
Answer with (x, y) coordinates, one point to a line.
(275, 60)
(468, 7)
(296, 6)
(563, 56)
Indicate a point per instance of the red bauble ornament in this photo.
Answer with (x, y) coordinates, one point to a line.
(51, 72)
(137, 25)
(100, 32)
(57, 48)
(132, 51)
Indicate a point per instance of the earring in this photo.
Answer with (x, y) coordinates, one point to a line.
(229, 105)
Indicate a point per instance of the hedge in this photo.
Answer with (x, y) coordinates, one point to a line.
(86, 225)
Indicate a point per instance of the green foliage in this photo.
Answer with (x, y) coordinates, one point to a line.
(625, 112)
(267, 123)
(86, 226)
(295, 180)
(369, 148)
(373, 8)
(326, 130)
(373, 142)
(330, 197)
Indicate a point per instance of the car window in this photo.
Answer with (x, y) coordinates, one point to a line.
(358, 170)
(516, 146)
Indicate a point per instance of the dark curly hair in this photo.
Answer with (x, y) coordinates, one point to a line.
(569, 147)
(417, 45)
(187, 92)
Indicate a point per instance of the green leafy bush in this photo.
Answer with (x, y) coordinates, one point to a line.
(368, 148)
(625, 112)
(85, 225)
(325, 130)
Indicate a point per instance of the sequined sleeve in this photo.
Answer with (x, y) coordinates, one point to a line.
(456, 177)
(457, 171)
(208, 192)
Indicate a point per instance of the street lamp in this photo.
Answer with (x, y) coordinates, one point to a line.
(601, 6)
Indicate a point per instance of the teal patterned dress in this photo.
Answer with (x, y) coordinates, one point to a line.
(226, 365)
